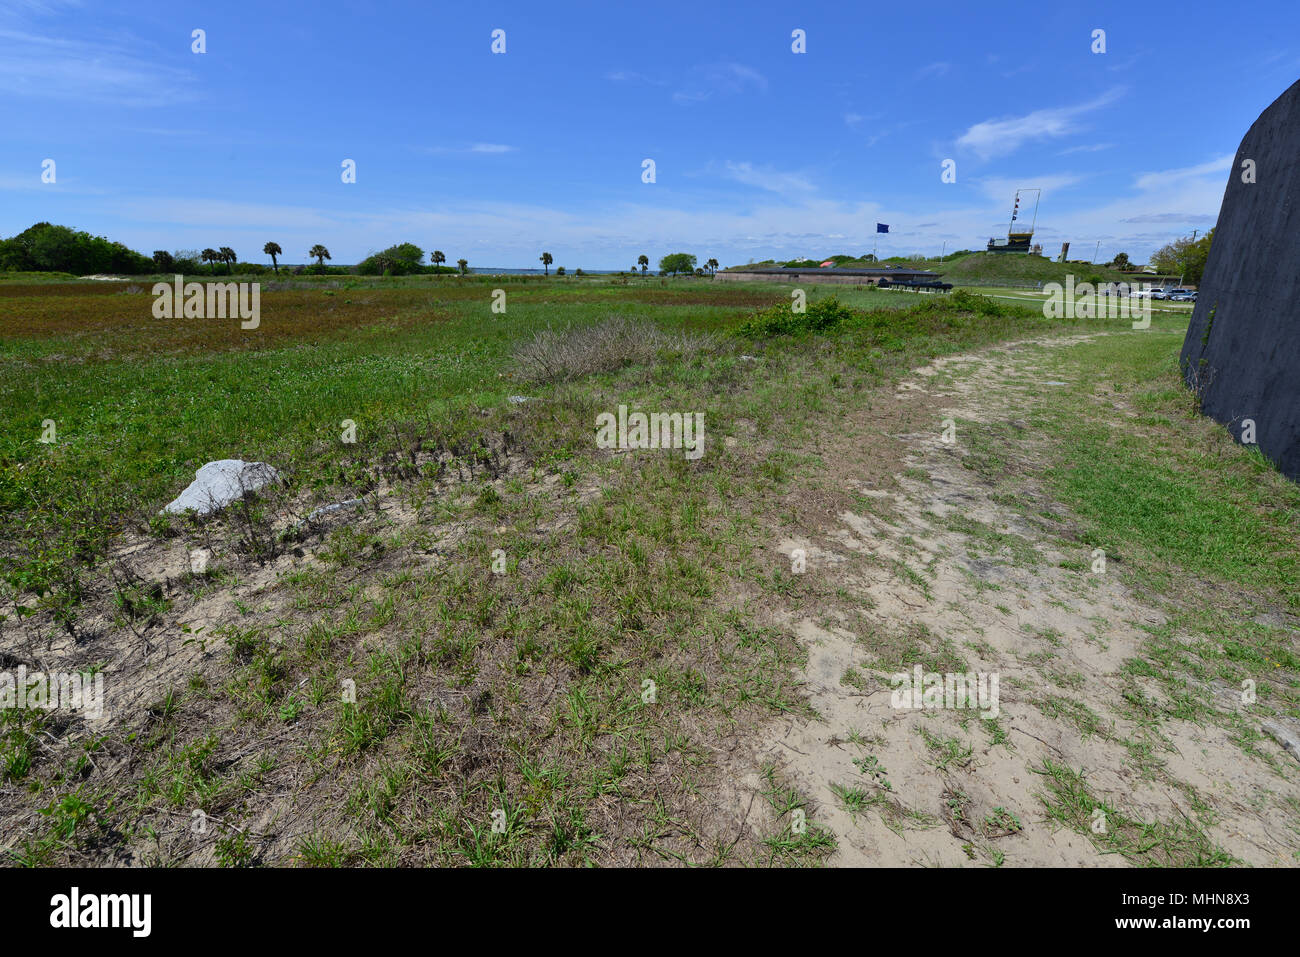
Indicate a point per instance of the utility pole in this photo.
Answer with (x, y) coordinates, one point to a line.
(1095, 251)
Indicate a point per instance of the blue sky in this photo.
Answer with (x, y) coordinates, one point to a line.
(759, 152)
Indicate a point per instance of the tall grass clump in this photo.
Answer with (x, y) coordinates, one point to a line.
(608, 345)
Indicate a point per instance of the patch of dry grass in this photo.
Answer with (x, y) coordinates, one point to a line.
(617, 341)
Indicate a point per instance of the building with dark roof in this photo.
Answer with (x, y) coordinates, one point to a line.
(873, 276)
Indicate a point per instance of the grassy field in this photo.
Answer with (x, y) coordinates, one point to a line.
(550, 650)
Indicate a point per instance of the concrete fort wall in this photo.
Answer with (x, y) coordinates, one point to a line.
(794, 276)
(1242, 351)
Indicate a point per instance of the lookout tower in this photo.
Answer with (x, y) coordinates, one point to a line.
(1018, 236)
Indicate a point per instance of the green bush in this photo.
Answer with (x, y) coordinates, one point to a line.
(782, 320)
(983, 305)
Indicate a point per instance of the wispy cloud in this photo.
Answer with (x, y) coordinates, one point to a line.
(765, 177)
(1086, 148)
(632, 76)
(936, 69)
(1001, 189)
(18, 8)
(854, 120)
(725, 78)
(472, 148)
(32, 181)
(1166, 177)
(1185, 218)
(1001, 137)
(41, 67)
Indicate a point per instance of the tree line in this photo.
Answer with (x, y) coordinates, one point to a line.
(45, 247)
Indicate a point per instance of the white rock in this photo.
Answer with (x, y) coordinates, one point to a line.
(219, 483)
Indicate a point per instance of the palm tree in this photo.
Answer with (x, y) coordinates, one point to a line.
(546, 262)
(319, 253)
(228, 257)
(464, 265)
(713, 266)
(209, 255)
(273, 250)
(644, 262)
(437, 257)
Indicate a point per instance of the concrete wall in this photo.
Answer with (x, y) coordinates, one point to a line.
(793, 276)
(1242, 349)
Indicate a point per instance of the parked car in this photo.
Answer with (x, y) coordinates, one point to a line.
(1182, 295)
(1144, 292)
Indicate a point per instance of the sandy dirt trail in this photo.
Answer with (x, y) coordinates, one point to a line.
(947, 562)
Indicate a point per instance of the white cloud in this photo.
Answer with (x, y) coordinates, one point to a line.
(1216, 167)
(1002, 189)
(39, 67)
(1086, 148)
(1003, 136)
(765, 177)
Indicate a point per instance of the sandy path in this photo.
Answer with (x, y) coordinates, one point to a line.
(963, 790)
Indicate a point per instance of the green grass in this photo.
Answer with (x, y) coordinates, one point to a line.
(1206, 508)
(1182, 843)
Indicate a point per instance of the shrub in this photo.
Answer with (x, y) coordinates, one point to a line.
(782, 320)
(985, 306)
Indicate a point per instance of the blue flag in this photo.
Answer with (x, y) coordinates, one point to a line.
(882, 228)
